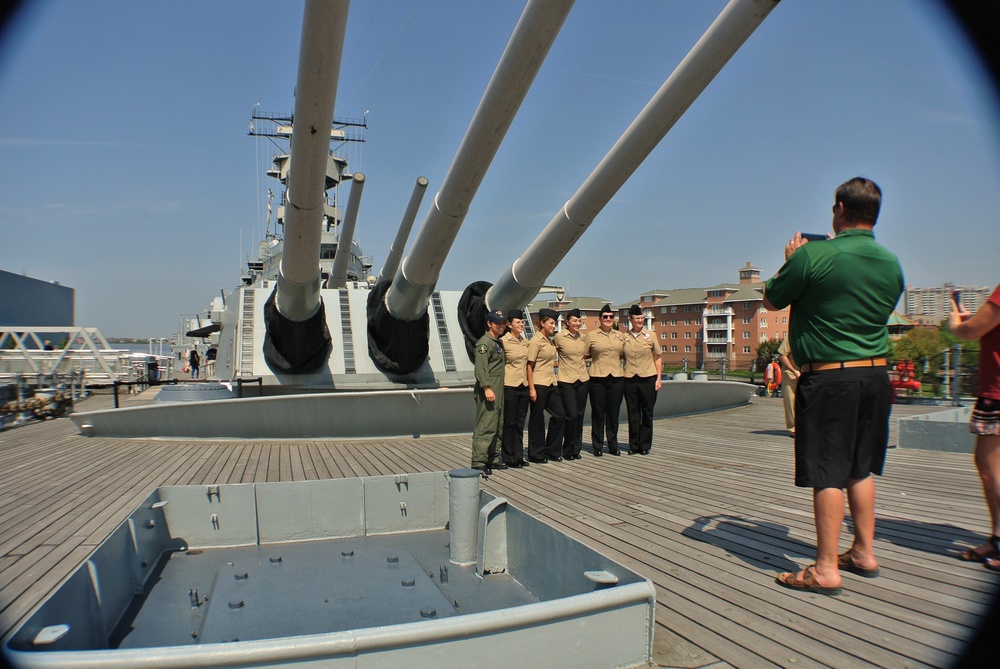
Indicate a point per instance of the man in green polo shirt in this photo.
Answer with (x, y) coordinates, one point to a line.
(842, 292)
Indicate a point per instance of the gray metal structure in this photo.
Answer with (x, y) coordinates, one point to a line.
(339, 573)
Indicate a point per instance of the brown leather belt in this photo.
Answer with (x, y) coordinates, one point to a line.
(825, 366)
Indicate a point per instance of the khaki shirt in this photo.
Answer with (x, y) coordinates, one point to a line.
(572, 351)
(606, 351)
(542, 352)
(516, 349)
(489, 363)
(640, 350)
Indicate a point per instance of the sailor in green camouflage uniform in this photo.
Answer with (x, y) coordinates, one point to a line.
(490, 361)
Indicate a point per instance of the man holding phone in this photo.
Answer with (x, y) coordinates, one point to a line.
(842, 293)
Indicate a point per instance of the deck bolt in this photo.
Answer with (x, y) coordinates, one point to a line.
(408, 584)
(347, 553)
(274, 560)
(241, 577)
(428, 613)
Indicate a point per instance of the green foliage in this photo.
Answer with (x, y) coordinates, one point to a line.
(766, 351)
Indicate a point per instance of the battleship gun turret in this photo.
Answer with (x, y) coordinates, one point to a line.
(297, 337)
(398, 324)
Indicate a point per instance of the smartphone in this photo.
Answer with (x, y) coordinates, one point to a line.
(957, 296)
(814, 237)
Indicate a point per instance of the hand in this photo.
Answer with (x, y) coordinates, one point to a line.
(659, 383)
(490, 395)
(532, 394)
(793, 245)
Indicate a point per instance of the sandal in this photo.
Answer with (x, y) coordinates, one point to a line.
(807, 582)
(845, 562)
(974, 555)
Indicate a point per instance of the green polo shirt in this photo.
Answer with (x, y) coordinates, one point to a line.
(842, 292)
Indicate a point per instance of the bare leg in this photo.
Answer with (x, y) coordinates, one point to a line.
(987, 457)
(861, 499)
(828, 509)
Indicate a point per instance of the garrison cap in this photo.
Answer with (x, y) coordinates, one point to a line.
(548, 313)
(574, 312)
(606, 309)
(515, 313)
(635, 310)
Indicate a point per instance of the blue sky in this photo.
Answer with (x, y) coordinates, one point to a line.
(128, 173)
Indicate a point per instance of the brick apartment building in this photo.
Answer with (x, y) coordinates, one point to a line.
(704, 326)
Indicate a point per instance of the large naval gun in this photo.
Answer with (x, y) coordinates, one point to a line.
(397, 339)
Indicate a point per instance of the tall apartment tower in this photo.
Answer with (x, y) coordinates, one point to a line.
(929, 306)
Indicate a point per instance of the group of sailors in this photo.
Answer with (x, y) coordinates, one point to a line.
(518, 378)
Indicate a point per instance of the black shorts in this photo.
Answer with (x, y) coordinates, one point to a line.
(841, 426)
(985, 418)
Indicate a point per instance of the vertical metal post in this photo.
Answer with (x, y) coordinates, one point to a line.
(946, 367)
(115, 386)
(956, 389)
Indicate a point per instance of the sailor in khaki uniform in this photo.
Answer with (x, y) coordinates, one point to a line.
(543, 391)
(573, 381)
(490, 361)
(606, 347)
(515, 389)
(643, 367)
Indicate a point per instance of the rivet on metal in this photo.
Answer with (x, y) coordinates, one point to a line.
(408, 584)
(241, 577)
(274, 560)
(428, 613)
(347, 553)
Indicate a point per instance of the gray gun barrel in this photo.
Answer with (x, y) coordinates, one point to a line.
(324, 23)
(338, 274)
(417, 276)
(403, 233)
(734, 25)
(297, 339)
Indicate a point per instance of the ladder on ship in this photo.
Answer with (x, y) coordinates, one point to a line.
(246, 334)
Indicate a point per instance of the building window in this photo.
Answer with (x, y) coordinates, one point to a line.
(746, 320)
(746, 335)
(687, 335)
(673, 349)
(697, 335)
(673, 310)
(687, 349)
(746, 349)
(663, 323)
(763, 322)
(687, 307)
(663, 310)
(673, 321)
(663, 335)
(784, 319)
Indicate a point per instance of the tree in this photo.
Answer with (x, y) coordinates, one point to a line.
(766, 351)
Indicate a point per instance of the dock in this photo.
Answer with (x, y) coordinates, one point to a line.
(711, 515)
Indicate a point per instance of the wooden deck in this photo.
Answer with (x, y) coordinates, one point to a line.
(710, 516)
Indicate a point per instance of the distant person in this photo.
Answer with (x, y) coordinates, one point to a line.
(543, 393)
(488, 394)
(48, 345)
(985, 419)
(768, 379)
(643, 369)
(789, 379)
(606, 348)
(842, 292)
(515, 389)
(194, 360)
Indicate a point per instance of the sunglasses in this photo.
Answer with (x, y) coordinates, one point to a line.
(607, 317)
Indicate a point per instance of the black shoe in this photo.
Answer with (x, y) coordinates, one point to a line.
(598, 452)
(633, 452)
(514, 465)
(645, 452)
(523, 463)
(484, 471)
(614, 451)
(577, 456)
(556, 459)
(538, 461)
(501, 466)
